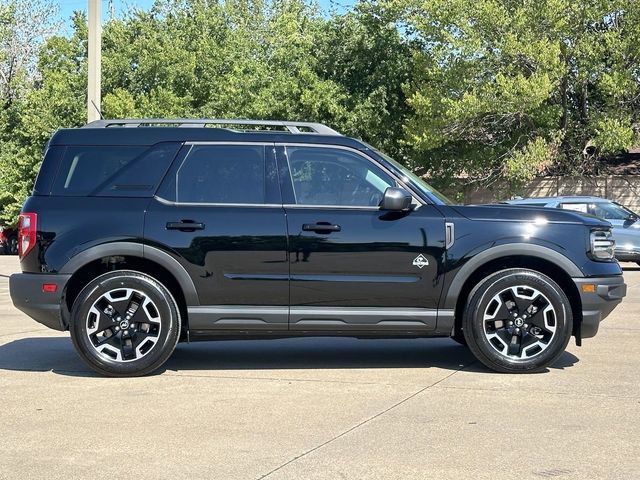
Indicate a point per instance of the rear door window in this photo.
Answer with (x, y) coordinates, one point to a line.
(226, 174)
(576, 207)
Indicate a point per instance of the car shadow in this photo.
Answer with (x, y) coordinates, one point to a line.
(56, 354)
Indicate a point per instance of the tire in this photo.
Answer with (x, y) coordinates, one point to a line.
(517, 321)
(12, 246)
(125, 324)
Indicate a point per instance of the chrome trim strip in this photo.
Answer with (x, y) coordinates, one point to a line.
(240, 309)
(449, 234)
(220, 142)
(357, 278)
(290, 126)
(325, 207)
(189, 204)
(372, 311)
(257, 276)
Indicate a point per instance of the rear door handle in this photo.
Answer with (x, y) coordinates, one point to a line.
(185, 226)
(321, 227)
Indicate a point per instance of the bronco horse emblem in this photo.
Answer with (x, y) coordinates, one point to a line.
(420, 261)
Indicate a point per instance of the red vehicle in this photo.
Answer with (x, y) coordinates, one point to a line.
(8, 240)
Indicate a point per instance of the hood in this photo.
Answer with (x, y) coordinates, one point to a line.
(517, 213)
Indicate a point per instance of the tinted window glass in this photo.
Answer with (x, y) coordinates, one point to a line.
(530, 204)
(140, 177)
(330, 176)
(48, 170)
(222, 174)
(611, 211)
(85, 168)
(577, 207)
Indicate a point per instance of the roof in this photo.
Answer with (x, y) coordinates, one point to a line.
(289, 126)
(152, 131)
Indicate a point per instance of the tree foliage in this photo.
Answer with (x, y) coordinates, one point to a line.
(508, 88)
(475, 90)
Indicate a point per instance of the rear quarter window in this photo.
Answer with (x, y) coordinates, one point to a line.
(115, 170)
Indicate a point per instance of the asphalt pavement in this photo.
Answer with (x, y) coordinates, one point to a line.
(320, 408)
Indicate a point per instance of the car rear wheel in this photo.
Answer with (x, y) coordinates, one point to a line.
(517, 321)
(125, 323)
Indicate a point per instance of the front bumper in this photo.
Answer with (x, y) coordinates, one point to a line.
(607, 293)
(27, 295)
(627, 255)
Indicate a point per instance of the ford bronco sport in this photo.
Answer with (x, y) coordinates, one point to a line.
(143, 233)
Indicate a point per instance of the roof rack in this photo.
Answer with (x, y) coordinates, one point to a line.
(291, 127)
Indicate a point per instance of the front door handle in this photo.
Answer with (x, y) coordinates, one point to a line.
(321, 227)
(185, 226)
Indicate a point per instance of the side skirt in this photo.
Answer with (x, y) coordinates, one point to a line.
(243, 321)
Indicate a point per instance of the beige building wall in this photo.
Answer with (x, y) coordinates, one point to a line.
(624, 189)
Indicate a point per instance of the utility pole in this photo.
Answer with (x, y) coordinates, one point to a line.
(94, 54)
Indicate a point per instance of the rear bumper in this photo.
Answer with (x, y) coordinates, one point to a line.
(27, 295)
(597, 305)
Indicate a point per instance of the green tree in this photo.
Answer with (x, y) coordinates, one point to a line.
(24, 27)
(509, 88)
(279, 59)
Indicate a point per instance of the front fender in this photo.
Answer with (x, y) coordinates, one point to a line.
(500, 251)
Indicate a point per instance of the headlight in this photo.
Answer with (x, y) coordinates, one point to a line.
(602, 245)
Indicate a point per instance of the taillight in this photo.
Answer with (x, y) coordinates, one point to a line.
(27, 227)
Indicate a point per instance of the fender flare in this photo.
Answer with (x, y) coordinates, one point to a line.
(132, 249)
(506, 250)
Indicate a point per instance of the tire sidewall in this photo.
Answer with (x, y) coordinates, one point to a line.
(13, 246)
(482, 295)
(169, 320)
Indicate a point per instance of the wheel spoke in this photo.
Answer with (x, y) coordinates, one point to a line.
(103, 322)
(123, 324)
(522, 300)
(519, 322)
(527, 341)
(514, 344)
(127, 348)
(538, 321)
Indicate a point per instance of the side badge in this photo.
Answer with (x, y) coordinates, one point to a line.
(420, 261)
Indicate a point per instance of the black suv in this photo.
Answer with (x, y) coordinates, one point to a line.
(142, 233)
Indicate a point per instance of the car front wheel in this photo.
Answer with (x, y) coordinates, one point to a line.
(12, 246)
(125, 323)
(517, 321)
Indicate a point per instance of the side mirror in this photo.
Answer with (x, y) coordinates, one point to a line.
(396, 199)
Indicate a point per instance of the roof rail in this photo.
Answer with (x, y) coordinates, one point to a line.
(291, 127)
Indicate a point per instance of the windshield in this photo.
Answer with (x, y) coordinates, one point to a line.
(612, 211)
(415, 180)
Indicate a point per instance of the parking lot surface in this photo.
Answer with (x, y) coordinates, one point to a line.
(320, 409)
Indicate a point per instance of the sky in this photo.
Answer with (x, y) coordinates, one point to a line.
(67, 7)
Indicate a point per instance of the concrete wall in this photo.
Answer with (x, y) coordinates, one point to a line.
(624, 189)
